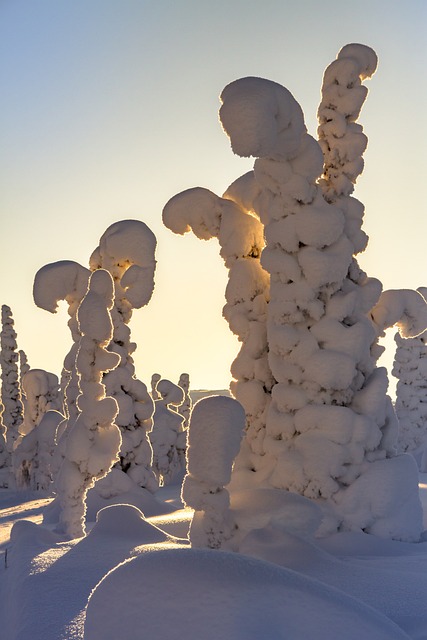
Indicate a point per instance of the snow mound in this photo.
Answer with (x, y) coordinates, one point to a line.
(255, 600)
(125, 520)
(26, 532)
(258, 508)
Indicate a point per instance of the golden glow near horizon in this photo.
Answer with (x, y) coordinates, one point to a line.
(110, 110)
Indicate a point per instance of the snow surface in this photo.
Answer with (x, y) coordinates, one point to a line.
(135, 578)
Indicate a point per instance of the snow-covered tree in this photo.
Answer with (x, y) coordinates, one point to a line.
(240, 235)
(12, 414)
(329, 429)
(168, 436)
(154, 380)
(34, 456)
(93, 442)
(127, 251)
(23, 367)
(410, 368)
(216, 428)
(330, 425)
(41, 390)
(185, 408)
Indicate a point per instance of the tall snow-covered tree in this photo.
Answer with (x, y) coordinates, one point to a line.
(329, 429)
(12, 414)
(127, 251)
(93, 442)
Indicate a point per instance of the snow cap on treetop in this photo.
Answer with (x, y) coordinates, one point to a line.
(262, 119)
(170, 393)
(129, 245)
(365, 57)
(63, 280)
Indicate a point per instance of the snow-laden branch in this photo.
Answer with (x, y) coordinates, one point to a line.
(64, 280)
(404, 308)
(342, 140)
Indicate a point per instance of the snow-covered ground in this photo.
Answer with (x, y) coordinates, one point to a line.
(133, 578)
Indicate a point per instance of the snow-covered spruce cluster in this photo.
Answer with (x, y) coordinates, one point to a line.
(326, 426)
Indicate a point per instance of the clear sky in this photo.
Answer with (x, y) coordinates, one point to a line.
(109, 108)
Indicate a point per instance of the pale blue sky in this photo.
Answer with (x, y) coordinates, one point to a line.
(109, 108)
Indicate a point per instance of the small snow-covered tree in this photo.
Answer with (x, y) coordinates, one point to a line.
(154, 380)
(23, 367)
(127, 251)
(33, 457)
(410, 368)
(185, 408)
(93, 442)
(168, 434)
(216, 428)
(12, 414)
(41, 390)
(41, 394)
